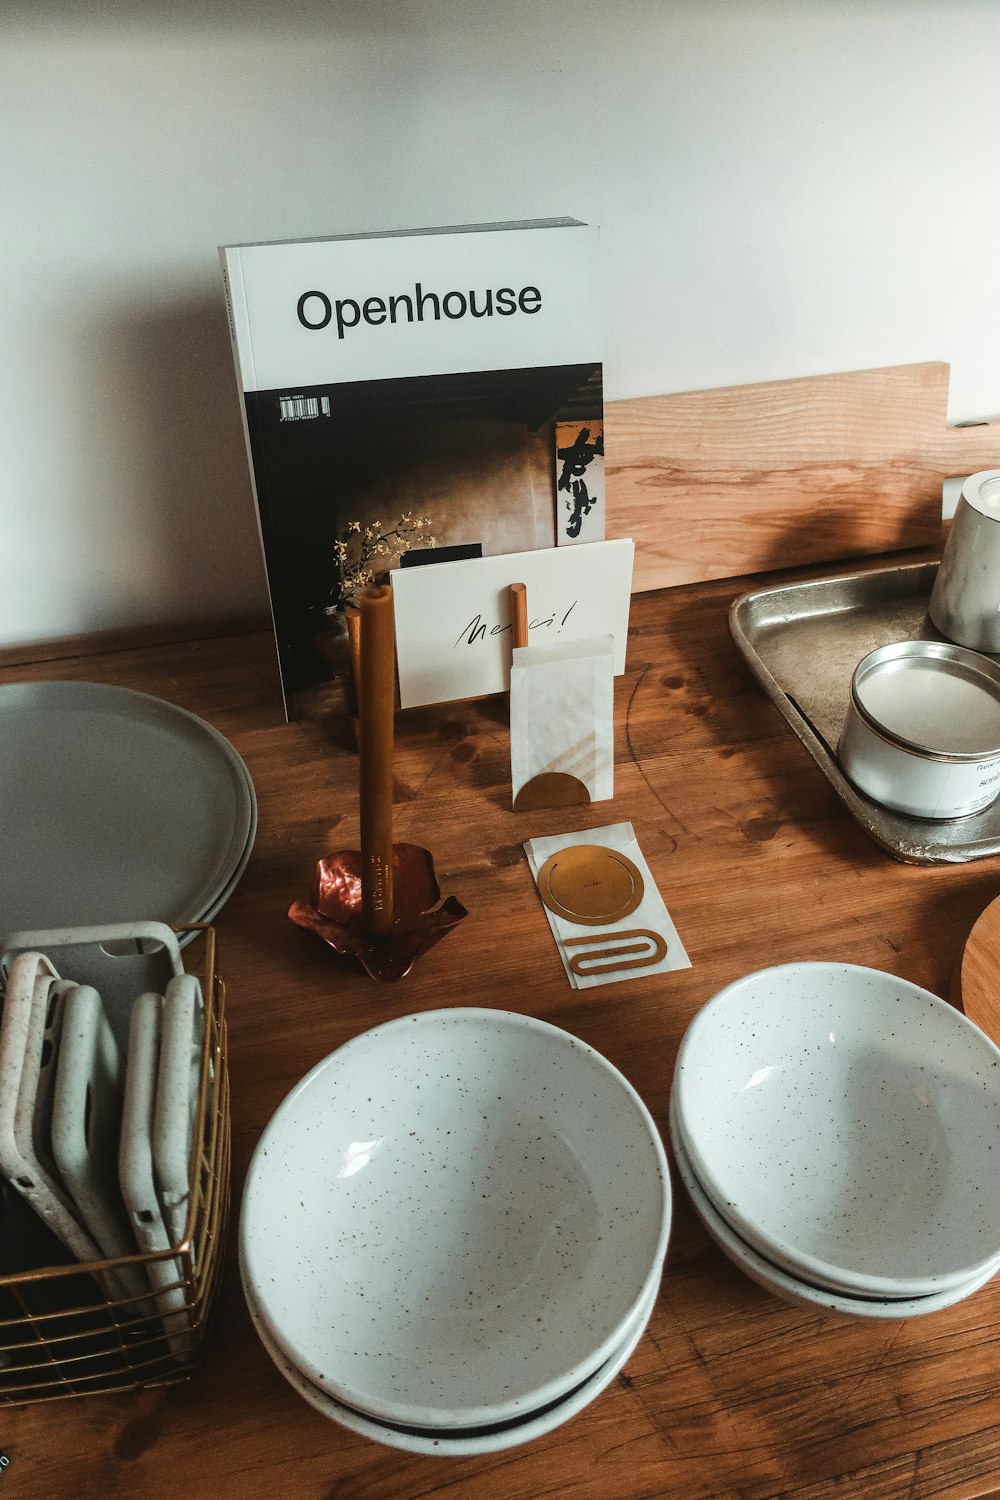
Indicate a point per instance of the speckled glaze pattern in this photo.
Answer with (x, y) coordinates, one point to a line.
(459, 1444)
(451, 1219)
(22, 1168)
(847, 1124)
(85, 1126)
(792, 1289)
(178, 1070)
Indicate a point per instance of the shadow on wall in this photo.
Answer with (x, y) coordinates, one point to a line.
(396, 18)
(170, 488)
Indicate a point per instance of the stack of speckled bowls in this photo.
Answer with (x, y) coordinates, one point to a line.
(838, 1131)
(454, 1229)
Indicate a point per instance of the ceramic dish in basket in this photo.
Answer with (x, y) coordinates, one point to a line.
(451, 1220)
(847, 1124)
(792, 1289)
(461, 1442)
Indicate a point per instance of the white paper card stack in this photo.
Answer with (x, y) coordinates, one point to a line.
(650, 915)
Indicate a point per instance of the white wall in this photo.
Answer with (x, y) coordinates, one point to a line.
(785, 187)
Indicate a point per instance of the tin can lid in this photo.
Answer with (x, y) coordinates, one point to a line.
(982, 492)
(932, 697)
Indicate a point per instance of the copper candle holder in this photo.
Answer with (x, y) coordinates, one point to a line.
(334, 911)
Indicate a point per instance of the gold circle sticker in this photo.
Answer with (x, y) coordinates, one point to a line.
(590, 884)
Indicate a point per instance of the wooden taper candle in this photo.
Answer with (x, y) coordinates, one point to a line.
(519, 614)
(377, 702)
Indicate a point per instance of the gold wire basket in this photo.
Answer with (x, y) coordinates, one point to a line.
(62, 1331)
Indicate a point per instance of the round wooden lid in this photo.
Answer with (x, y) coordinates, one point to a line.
(978, 990)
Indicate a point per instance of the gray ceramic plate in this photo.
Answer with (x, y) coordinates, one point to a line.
(115, 807)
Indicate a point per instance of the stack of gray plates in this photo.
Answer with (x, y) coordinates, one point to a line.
(116, 806)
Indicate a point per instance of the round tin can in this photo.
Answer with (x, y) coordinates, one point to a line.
(965, 599)
(922, 731)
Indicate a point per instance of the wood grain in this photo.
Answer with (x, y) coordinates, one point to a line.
(976, 980)
(730, 1395)
(712, 484)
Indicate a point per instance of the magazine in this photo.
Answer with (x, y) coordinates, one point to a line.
(412, 396)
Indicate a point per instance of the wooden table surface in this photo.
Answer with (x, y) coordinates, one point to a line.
(730, 1393)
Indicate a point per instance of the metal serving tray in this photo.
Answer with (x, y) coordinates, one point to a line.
(802, 642)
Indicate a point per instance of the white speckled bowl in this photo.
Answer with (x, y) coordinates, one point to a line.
(776, 1261)
(846, 1124)
(463, 1442)
(451, 1220)
(792, 1289)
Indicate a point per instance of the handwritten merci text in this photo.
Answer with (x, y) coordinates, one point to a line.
(477, 628)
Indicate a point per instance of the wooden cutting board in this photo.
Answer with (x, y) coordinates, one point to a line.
(715, 484)
(975, 983)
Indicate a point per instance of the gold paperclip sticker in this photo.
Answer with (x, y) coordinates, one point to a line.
(592, 962)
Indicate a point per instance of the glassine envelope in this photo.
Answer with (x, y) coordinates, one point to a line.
(562, 721)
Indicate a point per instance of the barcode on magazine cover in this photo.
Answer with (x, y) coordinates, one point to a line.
(302, 408)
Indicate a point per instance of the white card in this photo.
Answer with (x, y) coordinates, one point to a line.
(453, 625)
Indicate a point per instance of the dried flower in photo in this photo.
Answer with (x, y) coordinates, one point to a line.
(364, 553)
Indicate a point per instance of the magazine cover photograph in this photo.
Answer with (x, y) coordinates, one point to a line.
(370, 475)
